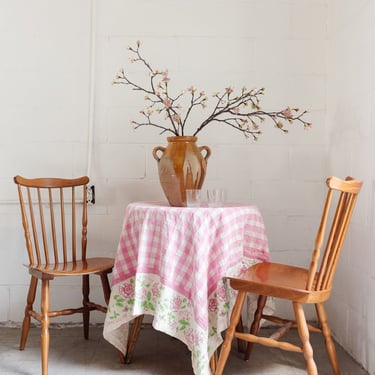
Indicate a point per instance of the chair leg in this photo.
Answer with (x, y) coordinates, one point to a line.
(106, 287)
(86, 309)
(234, 319)
(255, 326)
(213, 362)
(304, 335)
(29, 307)
(44, 337)
(240, 343)
(133, 336)
(331, 350)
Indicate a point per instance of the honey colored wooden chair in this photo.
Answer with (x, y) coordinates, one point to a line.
(54, 218)
(300, 286)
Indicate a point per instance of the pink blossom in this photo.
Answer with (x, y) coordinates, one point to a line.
(222, 293)
(127, 290)
(191, 337)
(172, 323)
(167, 103)
(155, 290)
(212, 305)
(143, 294)
(176, 303)
(176, 118)
(165, 76)
(287, 112)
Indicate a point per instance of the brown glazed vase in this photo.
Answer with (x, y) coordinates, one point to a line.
(181, 166)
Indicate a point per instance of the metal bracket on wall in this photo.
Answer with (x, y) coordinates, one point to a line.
(91, 194)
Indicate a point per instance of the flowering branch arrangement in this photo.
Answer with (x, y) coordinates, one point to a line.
(241, 111)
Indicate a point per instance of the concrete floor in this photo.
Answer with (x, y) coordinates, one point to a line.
(155, 353)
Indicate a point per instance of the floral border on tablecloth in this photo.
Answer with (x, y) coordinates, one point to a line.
(174, 314)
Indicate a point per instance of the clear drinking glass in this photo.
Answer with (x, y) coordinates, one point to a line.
(216, 197)
(193, 198)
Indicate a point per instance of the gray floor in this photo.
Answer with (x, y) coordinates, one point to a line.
(155, 353)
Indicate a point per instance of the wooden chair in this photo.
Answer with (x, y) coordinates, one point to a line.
(54, 218)
(300, 286)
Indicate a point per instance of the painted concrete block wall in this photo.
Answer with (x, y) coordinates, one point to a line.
(50, 50)
(351, 104)
(45, 82)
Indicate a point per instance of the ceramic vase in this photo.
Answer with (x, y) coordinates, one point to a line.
(181, 165)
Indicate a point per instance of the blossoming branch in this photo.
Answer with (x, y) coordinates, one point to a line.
(241, 111)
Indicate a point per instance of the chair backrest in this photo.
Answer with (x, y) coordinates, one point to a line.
(323, 264)
(54, 218)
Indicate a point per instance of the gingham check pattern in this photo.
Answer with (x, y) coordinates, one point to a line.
(190, 249)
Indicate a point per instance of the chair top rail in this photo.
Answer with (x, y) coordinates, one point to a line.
(51, 182)
(348, 190)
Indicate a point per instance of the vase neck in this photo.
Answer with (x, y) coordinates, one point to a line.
(182, 138)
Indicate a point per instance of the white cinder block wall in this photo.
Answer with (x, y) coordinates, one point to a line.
(351, 110)
(58, 105)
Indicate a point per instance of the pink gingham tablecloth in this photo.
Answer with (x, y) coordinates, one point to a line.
(170, 263)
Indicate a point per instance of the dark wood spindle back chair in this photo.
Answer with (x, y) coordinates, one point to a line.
(54, 218)
(300, 286)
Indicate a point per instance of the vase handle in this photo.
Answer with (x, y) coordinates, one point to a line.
(208, 152)
(155, 152)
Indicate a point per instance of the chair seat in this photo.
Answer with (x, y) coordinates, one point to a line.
(89, 266)
(279, 281)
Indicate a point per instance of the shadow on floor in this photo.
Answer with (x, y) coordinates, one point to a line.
(155, 353)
